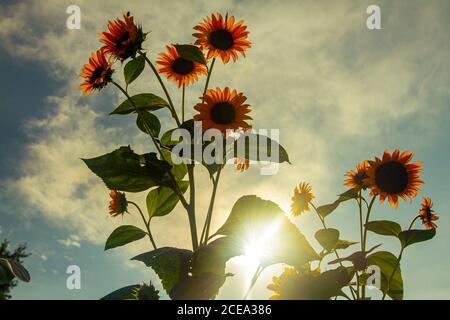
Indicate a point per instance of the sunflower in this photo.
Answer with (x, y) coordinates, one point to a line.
(183, 71)
(301, 199)
(356, 178)
(241, 164)
(427, 214)
(97, 73)
(118, 204)
(123, 38)
(394, 176)
(222, 37)
(222, 110)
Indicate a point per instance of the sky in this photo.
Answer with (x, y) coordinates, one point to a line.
(338, 92)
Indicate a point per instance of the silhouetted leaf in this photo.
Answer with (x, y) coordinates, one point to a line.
(191, 53)
(410, 237)
(125, 293)
(143, 102)
(325, 210)
(124, 170)
(257, 147)
(386, 261)
(348, 195)
(124, 235)
(6, 275)
(384, 227)
(328, 238)
(15, 268)
(344, 244)
(134, 68)
(162, 200)
(147, 121)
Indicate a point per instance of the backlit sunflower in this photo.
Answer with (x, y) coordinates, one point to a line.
(394, 176)
(123, 38)
(241, 164)
(97, 73)
(222, 110)
(427, 214)
(118, 204)
(356, 178)
(183, 71)
(222, 37)
(301, 199)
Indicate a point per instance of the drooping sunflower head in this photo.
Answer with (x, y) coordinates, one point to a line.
(222, 110)
(222, 37)
(356, 178)
(295, 284)
(427, 214)
(394, 176)
(241, 164)
(145, 292)
(301, 199)
(183, 71)
(118, 204)
(123, 38)
(97, 73)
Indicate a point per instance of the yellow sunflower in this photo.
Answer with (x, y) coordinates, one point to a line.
(301, 199)
(356, 178)
(183, 71)
(394, 176)
(427, 214)
(222, 37)
(222, 110)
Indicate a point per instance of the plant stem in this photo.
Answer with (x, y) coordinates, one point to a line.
(209, 75)
(258, 272)
(172, 108)
(191, 208)
(147, 224)
(205, 233)
(363, 249)
(182, 102)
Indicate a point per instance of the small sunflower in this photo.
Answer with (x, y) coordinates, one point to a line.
(394, 176)
(296, 285)
(222, 37)
(222, 110)
(123, 38)
(427, 214)
(301, 199)
(118, 204)
(145, 292)
(241, 164)
(356, 178)
(97, 73)
(183, 71)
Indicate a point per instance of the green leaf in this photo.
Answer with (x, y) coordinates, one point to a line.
(125, 293)
(14, 268)
(143, 102)
(254, 221)
(124, 170)
(124, 235)
(384, 227)
(170, 264)
(328, 238)
(162, 200)
(409, 237)
(191, 53)
(325, 210)
(178, 170)
(134, 68)
(387, 262)
(344, 244)
(258, 147)
(148, 121)
(6, 275)
(348, 195)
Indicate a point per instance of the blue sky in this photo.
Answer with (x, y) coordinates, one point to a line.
(338, 93)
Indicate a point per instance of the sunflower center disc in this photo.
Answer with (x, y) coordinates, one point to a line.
(391, 177)
(97, 74)
(221, 39)
(182, 66)
(223, 113)
(120, 43)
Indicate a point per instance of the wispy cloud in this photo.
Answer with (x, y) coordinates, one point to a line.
(72, 241)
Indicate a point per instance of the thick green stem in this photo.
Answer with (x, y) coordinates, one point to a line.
(147, 224)
(191, 208)
(369, 210)
(205, 233)
(209, 75)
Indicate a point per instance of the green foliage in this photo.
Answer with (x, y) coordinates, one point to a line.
(328, 238)
(162, 200)
(191, 53)
(124, 235)
(143, 102)
(134, 68)
(387, 262)
(147, 121)
(260, 151)
(384, 227)
(125, 293)
(127, 171)
(11, 267)
(410, 237)
(325, 210)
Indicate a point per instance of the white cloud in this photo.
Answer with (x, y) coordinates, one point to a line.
(72, 241)
(43, 257)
